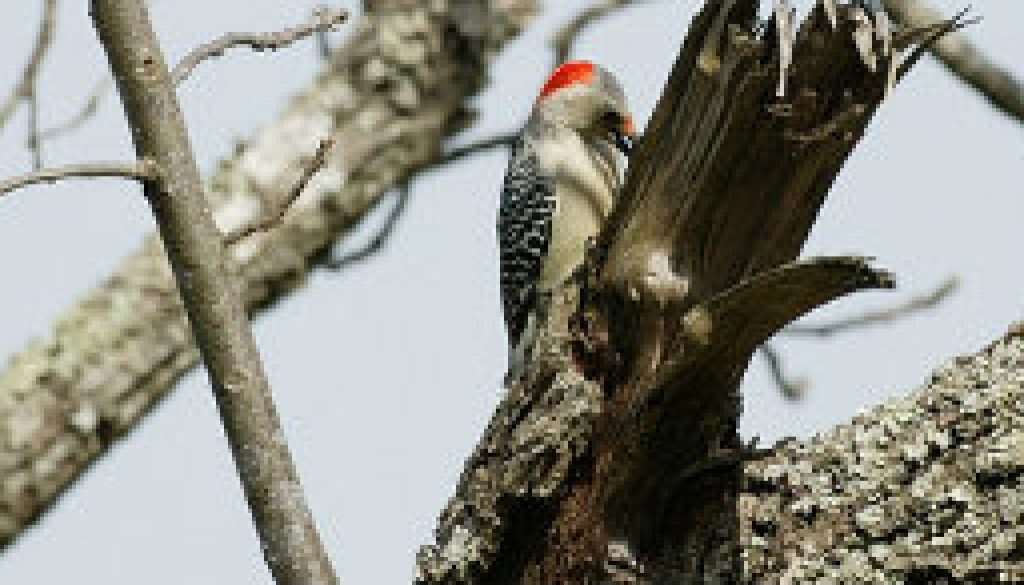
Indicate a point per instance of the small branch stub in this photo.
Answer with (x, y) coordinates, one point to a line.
(142, 170)
(268, 221)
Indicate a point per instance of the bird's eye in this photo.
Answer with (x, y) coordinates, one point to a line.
(611, 119)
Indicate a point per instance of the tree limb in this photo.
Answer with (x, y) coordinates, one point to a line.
(604, 461)
(212, 297)
(324, 19)
(65, 399)
(138, 171)
(963, 59)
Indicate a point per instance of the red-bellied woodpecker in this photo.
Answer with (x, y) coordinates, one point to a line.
(563, 177)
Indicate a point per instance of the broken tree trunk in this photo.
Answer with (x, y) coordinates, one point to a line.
(616, 457)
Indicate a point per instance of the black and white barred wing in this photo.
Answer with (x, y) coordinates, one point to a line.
(524, 234)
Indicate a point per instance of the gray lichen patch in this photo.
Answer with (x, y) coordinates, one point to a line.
(922, 486)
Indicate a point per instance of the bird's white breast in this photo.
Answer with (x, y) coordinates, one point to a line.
(587, 177)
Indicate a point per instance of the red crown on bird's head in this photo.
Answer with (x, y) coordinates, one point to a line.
(567, 74)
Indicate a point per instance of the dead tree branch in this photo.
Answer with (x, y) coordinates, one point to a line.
(586, 472)
(137, 171)
(287, 198)
(963, 59)
(112, 356)
(210, 292)
(25, 88)
(324, 20)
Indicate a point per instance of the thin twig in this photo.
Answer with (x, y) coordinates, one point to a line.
(141, 170)
(886, 315)
(963, 58)
(565, 38)
(25, 88)
(266, 222)
(379, 239)
(32, 139)
(387, 227)
(324, 19)
(931, 36)
(88, 110)
(795, 388)
(790, 388)
(456, 154)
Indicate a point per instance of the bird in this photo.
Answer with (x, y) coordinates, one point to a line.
(564, 173)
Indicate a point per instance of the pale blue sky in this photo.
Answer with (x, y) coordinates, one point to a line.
(386, 374)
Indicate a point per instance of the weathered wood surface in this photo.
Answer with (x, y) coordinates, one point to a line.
(617, 458)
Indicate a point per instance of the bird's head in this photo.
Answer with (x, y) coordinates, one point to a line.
(588, 99)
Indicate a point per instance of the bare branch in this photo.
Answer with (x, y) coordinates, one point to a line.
(324, 19)
(964, 59)
(887, 315)
(266, 222)
(627, 389)
(211, 293)
(565, 38)
(142, 170)
(25, 88)
(457, 154)
(88, 110)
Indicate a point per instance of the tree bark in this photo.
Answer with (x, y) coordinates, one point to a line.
(925, 488)
(390, 97)
(616, 458)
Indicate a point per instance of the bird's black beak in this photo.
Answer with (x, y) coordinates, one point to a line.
(624, 135)
(624, 141)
